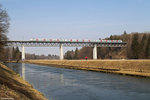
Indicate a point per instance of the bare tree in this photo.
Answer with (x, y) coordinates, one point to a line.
(4, 25)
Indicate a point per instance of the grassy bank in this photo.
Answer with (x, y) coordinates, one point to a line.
(125, 67)
(13, 87)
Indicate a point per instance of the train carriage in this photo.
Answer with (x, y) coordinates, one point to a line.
(75, 40)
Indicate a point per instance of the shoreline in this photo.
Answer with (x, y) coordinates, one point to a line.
(13, 86)
(122, 67)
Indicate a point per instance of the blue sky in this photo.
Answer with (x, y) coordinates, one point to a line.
(77, 19)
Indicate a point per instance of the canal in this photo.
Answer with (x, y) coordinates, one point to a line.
(68, 84)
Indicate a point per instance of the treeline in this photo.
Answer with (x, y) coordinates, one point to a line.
(72, 54)
(138, 47)
(34, 56)
(15, 54)
(12, 54)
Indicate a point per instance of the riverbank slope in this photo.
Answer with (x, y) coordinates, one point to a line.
(125, 67)
(13, 87)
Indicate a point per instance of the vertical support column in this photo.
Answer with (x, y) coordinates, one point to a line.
(23, 53)
(61, 52)
(95, 52)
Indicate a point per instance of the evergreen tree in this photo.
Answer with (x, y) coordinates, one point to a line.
(13, 54)
(69, 55)
(147, 52)
(76, 54)
(135, 46)
(18, 54)
(124, 32)
(142, 47)
(17, 50)
(111, 37)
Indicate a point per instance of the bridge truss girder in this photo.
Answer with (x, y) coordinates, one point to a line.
(94, 45)
(65, 44)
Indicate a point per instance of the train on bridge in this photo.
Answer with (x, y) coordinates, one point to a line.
(75, 40)
(40, 42)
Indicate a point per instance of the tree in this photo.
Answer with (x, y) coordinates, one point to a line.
(16, 54)
(142, 47)
(124, 32)
(135, 46)
(13, 53)
(4, 25)
(100, 53)
(86, 51)
(69, 55)
(111, 37)
(147, 52)
(49, 55)
(76, 54)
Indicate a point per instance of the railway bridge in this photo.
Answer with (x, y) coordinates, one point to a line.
(61, 44)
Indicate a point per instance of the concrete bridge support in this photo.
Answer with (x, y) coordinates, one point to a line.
(61, 52)
(95, 52)
(23, 53)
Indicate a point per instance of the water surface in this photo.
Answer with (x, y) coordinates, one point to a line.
(68, 84)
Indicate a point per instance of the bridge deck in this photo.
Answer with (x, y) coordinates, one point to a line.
(64, 43)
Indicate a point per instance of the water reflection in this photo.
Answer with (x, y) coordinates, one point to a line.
(19, 68)
(15, 68)
(23, 71)
(68, 84)
(62, 78)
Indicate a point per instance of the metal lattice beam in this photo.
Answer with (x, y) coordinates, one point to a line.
(65, 44)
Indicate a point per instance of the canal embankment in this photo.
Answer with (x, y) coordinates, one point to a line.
(123, 67)
(13, 87)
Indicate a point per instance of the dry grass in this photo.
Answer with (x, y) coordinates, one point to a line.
(13, 86)
(126, 67)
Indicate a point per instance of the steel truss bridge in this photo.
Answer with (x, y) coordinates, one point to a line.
(65, 44)
(62, 44)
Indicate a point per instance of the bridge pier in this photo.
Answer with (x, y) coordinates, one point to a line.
(95, 52)
(61, 52)
(23, 53)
